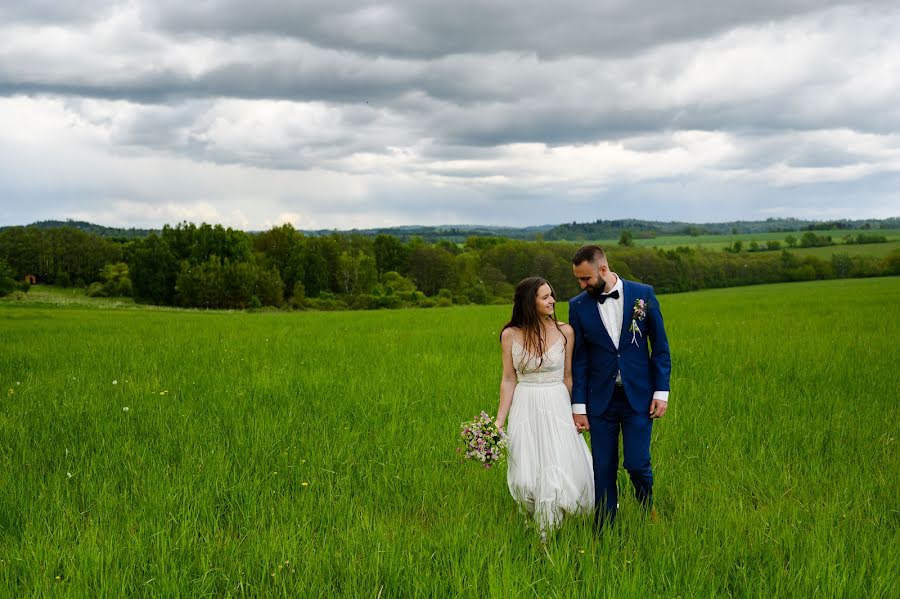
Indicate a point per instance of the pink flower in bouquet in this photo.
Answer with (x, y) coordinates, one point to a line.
(482, 440)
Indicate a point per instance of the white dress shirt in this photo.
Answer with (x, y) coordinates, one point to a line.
(611, 312)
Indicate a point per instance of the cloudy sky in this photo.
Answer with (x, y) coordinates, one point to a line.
(343, 114)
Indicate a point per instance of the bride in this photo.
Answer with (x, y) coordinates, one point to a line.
(550, 472)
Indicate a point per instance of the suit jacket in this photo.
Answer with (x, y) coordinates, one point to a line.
(596, 360)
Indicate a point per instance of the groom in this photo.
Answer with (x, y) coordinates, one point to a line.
(620, 371)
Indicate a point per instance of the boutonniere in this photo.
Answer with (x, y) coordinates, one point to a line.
(638, 312)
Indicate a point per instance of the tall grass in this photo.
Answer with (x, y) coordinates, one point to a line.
(312, 454)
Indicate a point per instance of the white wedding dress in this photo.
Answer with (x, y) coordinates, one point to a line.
(550, 472)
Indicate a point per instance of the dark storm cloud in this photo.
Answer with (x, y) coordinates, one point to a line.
(330, 78)
(54, 11)
(432, 28)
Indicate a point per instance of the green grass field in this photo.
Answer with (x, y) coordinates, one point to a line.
(183, 453)
(878, 250)
(70, 297)
(719, 242)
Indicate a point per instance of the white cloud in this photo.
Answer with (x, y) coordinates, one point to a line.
(352, 115)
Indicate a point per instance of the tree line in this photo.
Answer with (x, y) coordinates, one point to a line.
(210, 266)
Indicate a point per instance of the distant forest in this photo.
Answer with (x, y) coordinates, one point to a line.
(600, 229)
(210, 266)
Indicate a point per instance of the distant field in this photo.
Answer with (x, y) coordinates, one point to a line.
(879, 250)
(70, 296)
(172, 453)
(718, 242)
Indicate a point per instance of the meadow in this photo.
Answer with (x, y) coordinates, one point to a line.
(719, 242)
(187, 453)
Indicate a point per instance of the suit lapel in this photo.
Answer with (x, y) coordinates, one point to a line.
(627, 308)
(591, 318)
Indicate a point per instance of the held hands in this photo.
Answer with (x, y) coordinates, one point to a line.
(581, 422)
(658, 408)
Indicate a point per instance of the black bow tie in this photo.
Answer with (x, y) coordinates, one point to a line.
(602, 297)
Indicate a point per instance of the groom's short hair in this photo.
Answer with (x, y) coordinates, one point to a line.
(589, 253)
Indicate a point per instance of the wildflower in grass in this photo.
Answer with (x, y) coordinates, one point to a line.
(304, 484)
(125, 409)
(164, 392)
(11, 392)
(115, 382)
(482, 440)
(69, 475)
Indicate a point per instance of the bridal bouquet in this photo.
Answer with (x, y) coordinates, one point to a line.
(482, 440)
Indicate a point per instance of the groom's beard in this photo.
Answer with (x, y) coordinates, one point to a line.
(594, 292)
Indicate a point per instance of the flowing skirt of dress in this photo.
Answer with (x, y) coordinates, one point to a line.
(550, 472)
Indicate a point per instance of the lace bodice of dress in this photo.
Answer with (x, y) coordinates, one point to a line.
(530, 369)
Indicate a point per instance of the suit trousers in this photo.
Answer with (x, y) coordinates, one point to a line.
(636, 429)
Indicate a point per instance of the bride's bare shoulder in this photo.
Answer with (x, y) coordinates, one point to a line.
(509, 335)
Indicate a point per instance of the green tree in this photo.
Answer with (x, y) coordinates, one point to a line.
(276, 249)
(393, 283)
(842, 264)
(117, 282)
(298, 295)
(390, 254)
(55, 255)
(201, 285)
(269, 288)
(20, 248)
(626, 239)
(315, 268)
(240, 284)
(810, 239)
(277, 244)
(196, 244)
(154, 270)
(892, 263)
(7, 278)
(483, 243)
(358, 273)
(431, 268)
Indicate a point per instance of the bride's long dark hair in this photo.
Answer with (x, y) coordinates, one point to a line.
(525, 316)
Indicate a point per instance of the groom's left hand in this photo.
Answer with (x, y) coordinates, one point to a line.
(658, 408)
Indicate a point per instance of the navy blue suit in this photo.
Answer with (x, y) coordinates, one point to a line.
(614, 409)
